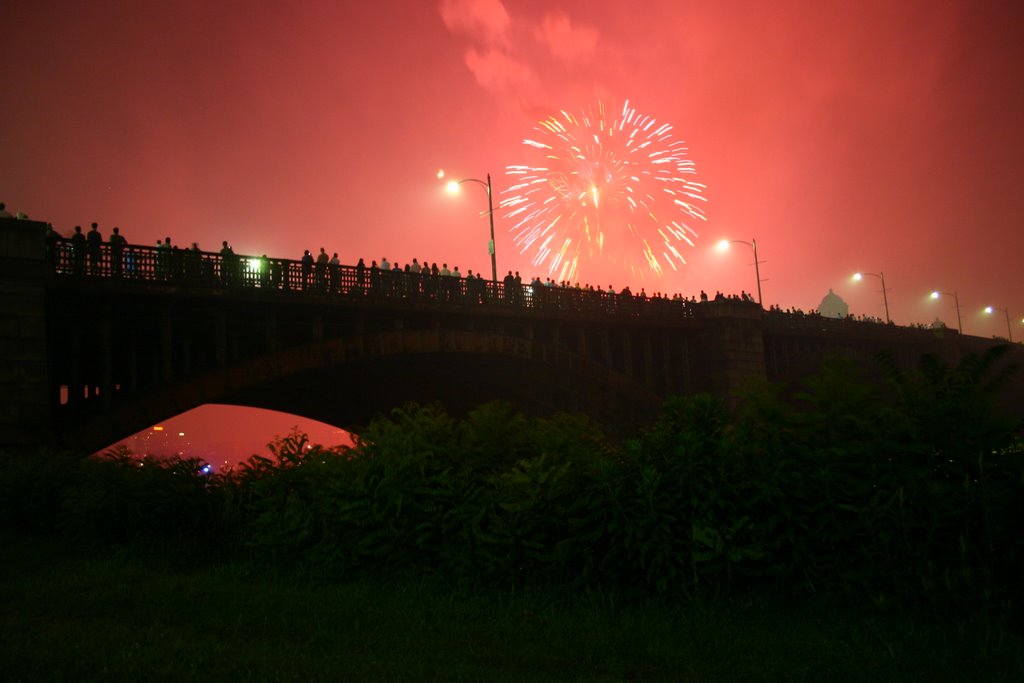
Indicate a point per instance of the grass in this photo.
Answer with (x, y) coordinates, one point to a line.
(73, 616)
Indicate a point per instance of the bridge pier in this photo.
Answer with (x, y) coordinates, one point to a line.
(733, 347)
(106, 379)
(166, 344)
(24, 373)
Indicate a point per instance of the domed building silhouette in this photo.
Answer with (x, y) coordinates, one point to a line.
(832, 306)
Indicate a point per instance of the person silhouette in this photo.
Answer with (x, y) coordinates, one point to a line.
(307, 269)
(78, 251)
(94, 248)
(117, 244)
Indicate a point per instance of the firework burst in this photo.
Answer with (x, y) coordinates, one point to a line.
(614, 188)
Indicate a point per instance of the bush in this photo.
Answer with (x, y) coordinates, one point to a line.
(117, 498)
(32, 489)
(903, 491)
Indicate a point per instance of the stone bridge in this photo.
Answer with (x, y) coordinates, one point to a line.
(100, 343)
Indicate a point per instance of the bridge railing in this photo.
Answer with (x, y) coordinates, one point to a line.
(138, 264)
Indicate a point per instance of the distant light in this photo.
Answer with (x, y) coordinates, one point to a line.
(452, 186)
(935, 295)
(440, 173)
(858, 277)
(158, 429)
(989, 309)
(723, 245)
(181, 433)
(254, 264)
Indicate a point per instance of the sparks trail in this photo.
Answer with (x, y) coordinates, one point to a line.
(618, 189)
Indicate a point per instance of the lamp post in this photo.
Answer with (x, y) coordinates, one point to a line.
(885, 298)
(956, 300)
(724, 244)
(453, 186)
(992, 309)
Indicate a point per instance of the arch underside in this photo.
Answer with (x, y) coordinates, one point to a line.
(347, 382)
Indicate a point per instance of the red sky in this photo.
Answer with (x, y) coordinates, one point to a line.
(875, 135)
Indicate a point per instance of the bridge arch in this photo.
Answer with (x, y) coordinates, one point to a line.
(347, 381)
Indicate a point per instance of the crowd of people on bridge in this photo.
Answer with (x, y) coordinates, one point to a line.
(87, 253)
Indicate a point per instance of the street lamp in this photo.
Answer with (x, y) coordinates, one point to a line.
(885, 298)
(992, 309)
(453, 187)
(723, 245)
(956, 300)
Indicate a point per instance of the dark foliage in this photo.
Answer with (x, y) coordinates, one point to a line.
(905, 491)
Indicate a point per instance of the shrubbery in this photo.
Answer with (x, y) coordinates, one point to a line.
(904, 490)
(113, 499)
